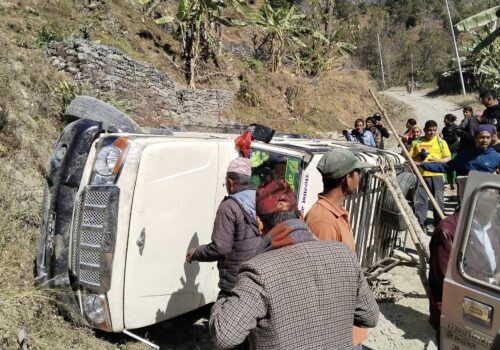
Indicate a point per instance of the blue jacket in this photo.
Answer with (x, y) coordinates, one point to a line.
(470, 159)
(366, 138)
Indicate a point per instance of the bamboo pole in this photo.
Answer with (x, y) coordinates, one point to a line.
(422, 237)
(410, 160)
(422, 252)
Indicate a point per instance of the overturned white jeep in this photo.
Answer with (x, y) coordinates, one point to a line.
(123, 205)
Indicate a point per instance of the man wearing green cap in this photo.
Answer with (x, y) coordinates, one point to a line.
(327, 219)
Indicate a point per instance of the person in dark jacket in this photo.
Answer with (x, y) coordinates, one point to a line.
(377, 136)
(440, 250)
(465, 130)
(476, 264)
(235, 236)
(492, 112)
(449, 134)
(380, 126)
(495, 141)
(482, 157)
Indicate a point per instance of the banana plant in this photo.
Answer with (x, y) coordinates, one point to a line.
(479, 19)
(483, 47)
(197, 21)
(283, 26)
(148, 6)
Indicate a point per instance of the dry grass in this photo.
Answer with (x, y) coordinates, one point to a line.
(29, 128)
(471, 99)
(22, 305)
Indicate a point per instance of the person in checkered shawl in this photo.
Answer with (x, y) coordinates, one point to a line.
(297, 292)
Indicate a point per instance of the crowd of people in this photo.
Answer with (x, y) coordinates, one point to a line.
(278, 269)
(371, 134)
(454, 151)
(294, 282)
(471, 145)
(458, 149)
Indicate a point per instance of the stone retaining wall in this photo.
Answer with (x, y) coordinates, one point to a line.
(151, 92)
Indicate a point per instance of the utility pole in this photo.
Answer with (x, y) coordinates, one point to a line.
(456, 48)
(381, 61)
(412, 80)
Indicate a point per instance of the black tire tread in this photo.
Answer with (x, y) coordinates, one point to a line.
(86, 107)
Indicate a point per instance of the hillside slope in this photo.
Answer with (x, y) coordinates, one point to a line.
(33, 93)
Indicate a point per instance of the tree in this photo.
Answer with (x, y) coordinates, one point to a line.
(197, 21)
(283, 27)
(483, 48)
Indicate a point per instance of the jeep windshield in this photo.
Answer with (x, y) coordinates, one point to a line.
(268, 165)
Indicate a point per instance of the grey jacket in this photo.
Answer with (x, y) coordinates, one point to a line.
(304, 296)
(235, 237)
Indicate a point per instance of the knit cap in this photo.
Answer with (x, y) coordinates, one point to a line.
(240, 166)
(275, 196)
(485, 127)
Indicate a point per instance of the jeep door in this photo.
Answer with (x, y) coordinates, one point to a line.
(176, 194)
(471, 294)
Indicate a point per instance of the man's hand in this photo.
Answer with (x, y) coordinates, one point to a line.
(190, 255)
(417, 163)
(496, 279)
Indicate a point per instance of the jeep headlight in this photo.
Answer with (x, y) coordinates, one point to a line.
(93, 307)
(109, 160)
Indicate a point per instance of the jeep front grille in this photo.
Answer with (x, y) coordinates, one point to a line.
(76, 231)
(90, 277)
(90, 258)
(93, 237)
(93, 219)
(97, 199)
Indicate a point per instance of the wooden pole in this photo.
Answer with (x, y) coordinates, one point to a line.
(456, 49)
(410, 160)
(381, 60)
(412, 80)
(422, 252)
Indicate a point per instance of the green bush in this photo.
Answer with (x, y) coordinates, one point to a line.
(277, 4)
(65, 93)
(49, 32)
(248, 94)
(253, 63)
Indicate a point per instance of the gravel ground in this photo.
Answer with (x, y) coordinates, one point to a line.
(404, 311)
(426, 107)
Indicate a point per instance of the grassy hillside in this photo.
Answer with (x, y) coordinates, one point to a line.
(33, 93)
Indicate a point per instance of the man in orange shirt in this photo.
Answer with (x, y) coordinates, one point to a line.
(327, 219)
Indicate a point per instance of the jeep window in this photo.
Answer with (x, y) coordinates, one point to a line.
(267, 166)
(481, 252)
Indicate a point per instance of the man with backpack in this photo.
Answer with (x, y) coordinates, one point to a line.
(429, 148)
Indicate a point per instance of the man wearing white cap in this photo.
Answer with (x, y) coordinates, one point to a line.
(235, 236)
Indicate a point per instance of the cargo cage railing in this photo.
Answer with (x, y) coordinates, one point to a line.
(375, 241)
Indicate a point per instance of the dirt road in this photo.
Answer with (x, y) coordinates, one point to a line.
(426, 107)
